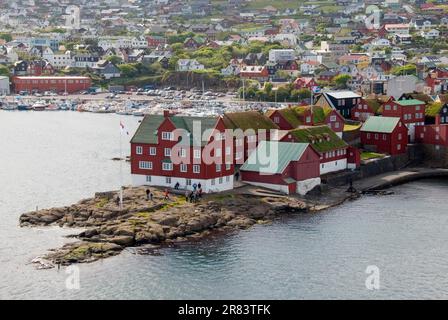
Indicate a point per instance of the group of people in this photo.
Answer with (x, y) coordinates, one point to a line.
(190, 196)
(195, 195)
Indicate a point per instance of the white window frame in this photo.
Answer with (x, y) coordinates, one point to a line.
(139, 150)
(167, 152)
(183, 167)
(152, 151)
(196, 168)
(166, 166)
(145, 165)
(167, 136)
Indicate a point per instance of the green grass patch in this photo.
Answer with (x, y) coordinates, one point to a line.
(102, 203)
(371, 155)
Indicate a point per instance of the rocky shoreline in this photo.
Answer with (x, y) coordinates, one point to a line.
(108, 230)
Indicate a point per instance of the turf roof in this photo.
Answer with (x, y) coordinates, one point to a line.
(321, 138)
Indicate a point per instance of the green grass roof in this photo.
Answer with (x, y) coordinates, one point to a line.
(380, 124)
(280, 154)
(374, 104)
(321, 138)
(433, 109)
(248, 120)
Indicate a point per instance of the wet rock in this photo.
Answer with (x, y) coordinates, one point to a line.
(122, 240)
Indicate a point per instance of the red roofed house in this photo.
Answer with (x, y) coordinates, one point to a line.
(385, 134)
(305, 82)
(259, 73)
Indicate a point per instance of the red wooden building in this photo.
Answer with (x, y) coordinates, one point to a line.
(365, 108)
(294, 117)
(166, 151)
(283, 166)
(411, 112)
(435, 134)
(51, 83)
(332, 149)
(385, 134)
(259, 73)
(305, 82)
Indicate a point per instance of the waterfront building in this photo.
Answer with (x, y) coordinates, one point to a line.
(385, 134)
(155, 146)
(51, 83)
(332, 150)
(4, 85)
(295, 117)
(287, 167)
(411, 112)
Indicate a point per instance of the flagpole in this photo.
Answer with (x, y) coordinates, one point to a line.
(121, 168)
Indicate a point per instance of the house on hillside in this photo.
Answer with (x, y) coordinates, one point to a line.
(343, 101)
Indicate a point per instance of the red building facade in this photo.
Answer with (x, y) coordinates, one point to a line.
(50, 83)
(155, 144)
(385, 135)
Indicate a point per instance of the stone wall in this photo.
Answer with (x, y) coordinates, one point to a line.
(435, 156)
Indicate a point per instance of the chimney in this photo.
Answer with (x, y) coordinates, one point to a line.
(166, 113)
(438, 119)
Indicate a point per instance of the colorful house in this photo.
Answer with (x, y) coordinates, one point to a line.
(343, 101)
(385, 134)
(294, 117)
(332, 149)
(166, 150)
(411, 112)
(365, 109)
(435, 134)
(305, 82)
(287, 167)
(249, 128)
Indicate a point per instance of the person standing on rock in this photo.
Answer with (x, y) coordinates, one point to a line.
(195, 186)
(199, 186)
(151, 196)
(167, 195)
(148, 192)
(187, 195)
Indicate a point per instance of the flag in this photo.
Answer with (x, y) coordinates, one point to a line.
(123, 129)
(315, 89)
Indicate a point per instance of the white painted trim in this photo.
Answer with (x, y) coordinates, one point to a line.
(207, 186)
(333, 166)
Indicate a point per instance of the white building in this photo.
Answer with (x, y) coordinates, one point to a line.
(431, 34)
(4, 85)
(278, 55)
(189, 65)
(58, 60)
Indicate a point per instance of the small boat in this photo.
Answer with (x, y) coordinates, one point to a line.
(39, 106)
(24, 107)
(52, 107)
(9, 106)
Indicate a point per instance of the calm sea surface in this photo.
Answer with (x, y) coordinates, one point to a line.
(57, 158)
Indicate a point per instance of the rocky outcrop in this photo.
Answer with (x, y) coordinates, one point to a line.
(108, 230)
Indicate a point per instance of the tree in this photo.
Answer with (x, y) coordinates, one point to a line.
(128, 70)
(6, 36)
(341, 80)
(115, 59)
(408, 69)
(4, 71)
